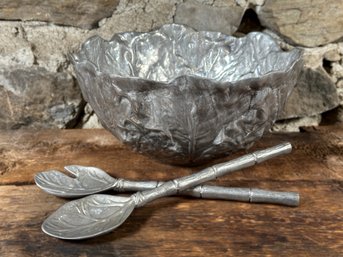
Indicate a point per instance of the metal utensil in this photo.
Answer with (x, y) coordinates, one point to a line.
(91, 180)
(98, 214)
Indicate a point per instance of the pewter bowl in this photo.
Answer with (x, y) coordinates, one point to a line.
(183, 96)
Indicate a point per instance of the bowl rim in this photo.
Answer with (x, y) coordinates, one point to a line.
(75, 60)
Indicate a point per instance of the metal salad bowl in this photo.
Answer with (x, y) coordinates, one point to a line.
(185, 97)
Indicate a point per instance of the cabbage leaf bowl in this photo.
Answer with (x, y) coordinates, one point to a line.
(185, 97)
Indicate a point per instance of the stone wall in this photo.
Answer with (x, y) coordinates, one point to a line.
(38, 89)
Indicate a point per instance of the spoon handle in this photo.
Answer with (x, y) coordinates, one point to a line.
(174, 186)
(250, 195)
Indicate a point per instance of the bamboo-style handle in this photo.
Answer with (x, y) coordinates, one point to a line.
(177, 185)
(249, 195)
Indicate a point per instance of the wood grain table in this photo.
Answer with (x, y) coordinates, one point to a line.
(177, 226)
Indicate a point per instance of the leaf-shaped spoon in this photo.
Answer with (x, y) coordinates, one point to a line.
(87, 181)
(98, 214)
(91, 180)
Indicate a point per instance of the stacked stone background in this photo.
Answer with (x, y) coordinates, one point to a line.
(38, 88)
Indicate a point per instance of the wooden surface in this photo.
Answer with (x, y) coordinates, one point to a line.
(177, 226)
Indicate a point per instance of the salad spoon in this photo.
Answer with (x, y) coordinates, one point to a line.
(91, 180)
(99, 214)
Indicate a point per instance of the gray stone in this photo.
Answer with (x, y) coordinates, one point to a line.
(340, 47)
(36, 98)
(138, 16)
(89, 119)
(80, 13)
(340, 114)
(314, 93)
(314, 56)
(199, 16)
(52, 43)
(294, 125)
(333, 55)
(36, 43)
(257, 2)
(339, 86)
(47, 45)
(304, 22)
(337, 71)
(250, 3)
(15, 50)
